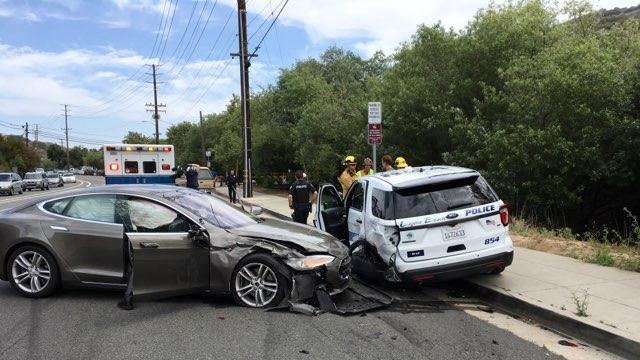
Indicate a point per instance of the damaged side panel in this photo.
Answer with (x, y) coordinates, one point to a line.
(227, 250)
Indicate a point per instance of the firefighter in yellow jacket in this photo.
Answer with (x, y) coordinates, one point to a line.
(367, 168)
(348, 175)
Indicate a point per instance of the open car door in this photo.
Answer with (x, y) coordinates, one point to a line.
(330, 215)
(168, 254)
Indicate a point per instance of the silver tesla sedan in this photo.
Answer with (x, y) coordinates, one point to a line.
(158, 241)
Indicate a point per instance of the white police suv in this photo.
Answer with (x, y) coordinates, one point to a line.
(421, 224)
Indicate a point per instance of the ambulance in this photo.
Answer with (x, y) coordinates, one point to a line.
(139, 164)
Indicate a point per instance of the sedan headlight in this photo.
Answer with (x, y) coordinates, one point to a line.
(309, 262)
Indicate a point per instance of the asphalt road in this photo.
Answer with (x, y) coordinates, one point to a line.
(87, 324)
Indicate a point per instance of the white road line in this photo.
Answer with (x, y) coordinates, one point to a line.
(42, 194)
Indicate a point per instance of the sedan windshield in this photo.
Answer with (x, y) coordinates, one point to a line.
(210, 209)
(68, 174)
(5, 177)
(53, 176)
(32, 176)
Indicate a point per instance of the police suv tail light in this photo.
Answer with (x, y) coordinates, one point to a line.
(166, 167)
(114, 166)
(504, 215)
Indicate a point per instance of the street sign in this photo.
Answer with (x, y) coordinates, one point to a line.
(375, 113)
(208, 153)
(375, 134)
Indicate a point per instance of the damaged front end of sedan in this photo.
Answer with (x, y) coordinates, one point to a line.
(316, 281)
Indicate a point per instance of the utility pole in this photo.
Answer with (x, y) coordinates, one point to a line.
(66, 130)
(244, 96)
(204, 154)
(26, 133)
(35, 134)
(155, 104)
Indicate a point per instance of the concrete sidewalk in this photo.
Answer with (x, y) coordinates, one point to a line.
(547, 281)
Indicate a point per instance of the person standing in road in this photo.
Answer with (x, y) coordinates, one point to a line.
(367, 169)
(192, 177)
(232, 183)
(348, 175)
(301, 195)
(387, 163)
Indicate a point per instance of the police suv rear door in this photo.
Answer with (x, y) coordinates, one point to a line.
(448, 219)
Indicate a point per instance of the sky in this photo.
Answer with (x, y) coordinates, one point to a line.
(95, 55)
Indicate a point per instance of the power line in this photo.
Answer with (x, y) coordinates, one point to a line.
(131, 89)
(169, 32)
(193, 10)
(269, 29)
(187, 48)
(212, 82)
(266, 18)
(198, 41)
(153, 50)
(204, 62)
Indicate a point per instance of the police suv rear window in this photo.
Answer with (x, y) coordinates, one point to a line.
(458, 196)
(431, 199)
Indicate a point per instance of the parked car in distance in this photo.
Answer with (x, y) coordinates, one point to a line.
(36, 180)
(11, 183)
(100, 172)
(39, 170)
(88, 170)
(55, 179)
(68, 177)
(206, 178)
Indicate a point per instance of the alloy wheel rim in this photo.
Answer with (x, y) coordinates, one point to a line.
(256, 284)
(31, 271)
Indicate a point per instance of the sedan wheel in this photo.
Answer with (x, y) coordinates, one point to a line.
(257, 282)
(33, 271)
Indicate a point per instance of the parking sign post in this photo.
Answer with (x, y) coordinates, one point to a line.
(375, 129)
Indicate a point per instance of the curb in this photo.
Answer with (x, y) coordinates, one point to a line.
(268, 211)
(613, 343)
(244, 202)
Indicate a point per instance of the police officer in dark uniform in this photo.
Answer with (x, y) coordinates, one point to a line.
(232, 183)
(192, 177)
(301, 194)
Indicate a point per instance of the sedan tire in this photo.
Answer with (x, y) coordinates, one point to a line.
(258, 281)
(33, 272)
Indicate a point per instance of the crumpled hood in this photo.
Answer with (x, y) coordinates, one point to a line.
(309, 238)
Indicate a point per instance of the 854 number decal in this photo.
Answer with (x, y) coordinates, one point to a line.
(492, 240)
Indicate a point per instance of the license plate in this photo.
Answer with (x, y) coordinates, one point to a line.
(453, 233)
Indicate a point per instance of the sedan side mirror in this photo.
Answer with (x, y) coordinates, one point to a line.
(256, 210)
(200, 237)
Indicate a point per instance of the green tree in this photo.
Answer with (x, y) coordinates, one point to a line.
(94, 158)
(57, 155)
(133, 137)
(16, 156)
(76, 156)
